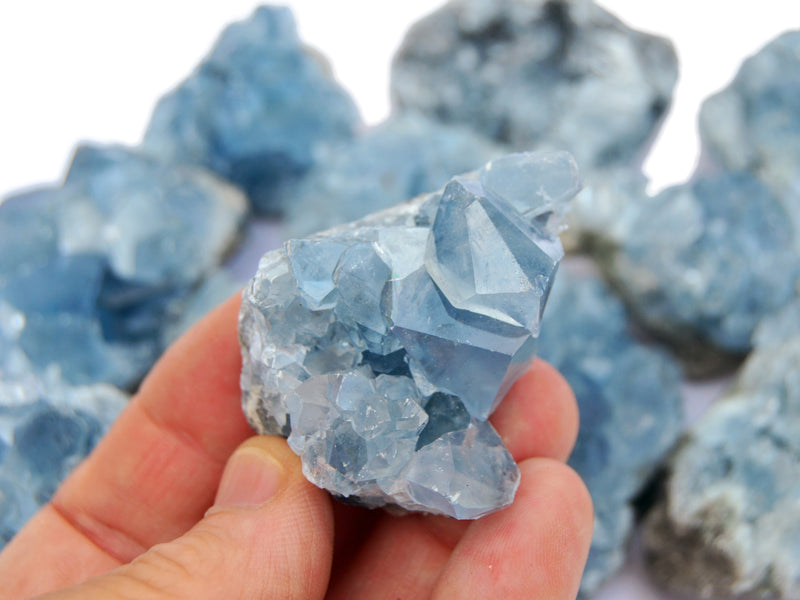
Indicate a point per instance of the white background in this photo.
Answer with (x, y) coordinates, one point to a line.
(92, 70)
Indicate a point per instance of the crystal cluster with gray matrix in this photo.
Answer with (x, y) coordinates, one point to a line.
(381, 347)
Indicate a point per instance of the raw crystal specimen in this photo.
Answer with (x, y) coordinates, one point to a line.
(98, 264)
(381, 347)
(630, 406)
(730, 522)
(46, 427)
(754, 123)
(701, 264)
(539, 74)
(255, 109)
(399, 159)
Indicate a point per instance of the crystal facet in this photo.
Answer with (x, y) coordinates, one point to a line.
(381, 347)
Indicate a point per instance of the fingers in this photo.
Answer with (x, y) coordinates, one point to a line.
(536, 548)
(268, 535)
(538, 417)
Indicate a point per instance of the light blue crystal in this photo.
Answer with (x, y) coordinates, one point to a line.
(754, 123)
(537, 74)
(702, 263)
(381, 383)
(630, 405)
(255, 110)
(732, 499)
(46, 427)
(100, 264)
(401, 158)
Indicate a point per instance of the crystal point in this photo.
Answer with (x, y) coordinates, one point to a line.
(381, 347)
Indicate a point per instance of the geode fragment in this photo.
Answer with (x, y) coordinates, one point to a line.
(630, 406)
(754, 123)
(729, 523)
(255, 110)
(539, 74)
(381, 347)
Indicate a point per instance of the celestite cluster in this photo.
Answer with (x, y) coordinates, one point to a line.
(729, 524)
(256, 110)
(99, 264)
(754, 124)
(381, 347)
(630, 406)
(47, 427)
(404, 156)
(539, 74)
(701, 264)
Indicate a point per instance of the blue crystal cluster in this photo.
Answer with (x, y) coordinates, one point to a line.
(630, 406)
(539, 74)
(729, 523)
(46, 427)
(702, 263)
(754, 123)
(381, 347)
(100, 263)
(255, 110)
(401, 158)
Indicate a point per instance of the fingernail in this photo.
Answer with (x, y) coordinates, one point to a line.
(251, 477)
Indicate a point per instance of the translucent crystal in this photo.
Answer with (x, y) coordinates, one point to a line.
(381, 376)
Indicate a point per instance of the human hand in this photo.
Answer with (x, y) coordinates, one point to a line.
(156, 513)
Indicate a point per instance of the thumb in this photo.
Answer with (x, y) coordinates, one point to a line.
(268, 535)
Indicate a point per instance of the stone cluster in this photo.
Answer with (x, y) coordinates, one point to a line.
(381, 347)
(47, 426)
(539, 74)
(405, 156)
(630, 405)
(255, 110)
(729, 524)
(98, 264)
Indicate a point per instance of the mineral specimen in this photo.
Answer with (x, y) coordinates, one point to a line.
(754, 124)
(730, 522)
(255, 110)
(701, 264)
(539, 74)
(399, 159)
(97, 264)
(381, 347)
(46, 427)
(630, 407)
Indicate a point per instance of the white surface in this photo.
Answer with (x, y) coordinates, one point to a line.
(92, 70)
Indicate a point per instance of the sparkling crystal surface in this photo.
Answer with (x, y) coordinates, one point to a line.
(538, 74)
(630, 405)
(99, 264)
(255, 110)
(403, 157)
(729, 523)
(383, 379)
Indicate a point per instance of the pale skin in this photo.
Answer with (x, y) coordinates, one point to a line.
(154, 512)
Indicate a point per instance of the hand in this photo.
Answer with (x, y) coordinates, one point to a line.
(155, 512)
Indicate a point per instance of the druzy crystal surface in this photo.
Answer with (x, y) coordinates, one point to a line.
(100, 263)
(381, 347)
(630, 405)
(255, 110)
(539, 74)
(402, 157)
(729, 523)
(754, 123)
